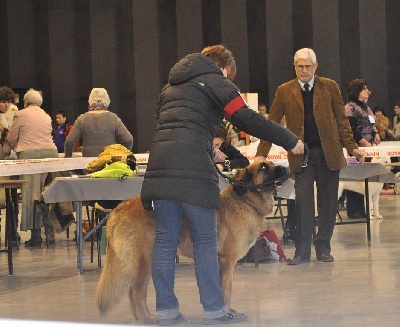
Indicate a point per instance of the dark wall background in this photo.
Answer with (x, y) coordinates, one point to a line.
(128, 46)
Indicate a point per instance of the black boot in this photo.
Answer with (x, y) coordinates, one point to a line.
(36, 239)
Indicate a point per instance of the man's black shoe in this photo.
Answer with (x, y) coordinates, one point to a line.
(325, 257)
(296, 260)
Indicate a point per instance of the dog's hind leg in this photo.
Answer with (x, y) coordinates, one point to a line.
(138, 294)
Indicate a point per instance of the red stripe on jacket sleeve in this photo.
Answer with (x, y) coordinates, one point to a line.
(234, 106)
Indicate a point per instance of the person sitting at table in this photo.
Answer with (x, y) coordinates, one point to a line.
(233, 159)
(363, 125)
(30, 135)
(383, 125)
(98, 127)
(7, 113)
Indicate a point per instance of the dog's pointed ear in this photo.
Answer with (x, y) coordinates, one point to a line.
(246, 178)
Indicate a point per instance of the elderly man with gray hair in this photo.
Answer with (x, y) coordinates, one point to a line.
(30, 136)
(314, 111)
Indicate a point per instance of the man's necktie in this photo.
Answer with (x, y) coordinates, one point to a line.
(306, 87)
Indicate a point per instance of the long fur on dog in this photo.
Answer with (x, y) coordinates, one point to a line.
(130, 235)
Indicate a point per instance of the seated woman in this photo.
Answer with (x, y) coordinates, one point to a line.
(365, 132)
(233, 159)
(383, 125)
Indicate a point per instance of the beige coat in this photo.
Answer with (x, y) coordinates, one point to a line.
(333, 125)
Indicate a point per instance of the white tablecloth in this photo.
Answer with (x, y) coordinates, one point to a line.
(384, 149)
(34, 166)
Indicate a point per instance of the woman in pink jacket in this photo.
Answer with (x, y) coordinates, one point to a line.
(30, 135)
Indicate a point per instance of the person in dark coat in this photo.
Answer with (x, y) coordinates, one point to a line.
(181, 178)
(233, 158)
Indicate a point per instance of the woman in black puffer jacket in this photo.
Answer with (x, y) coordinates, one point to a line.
(181, 177)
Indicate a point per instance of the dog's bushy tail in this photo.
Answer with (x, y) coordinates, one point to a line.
(114, 280)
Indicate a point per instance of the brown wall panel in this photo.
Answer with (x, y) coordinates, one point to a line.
(167, 41)
(42, 53)
(393, 52)
(125, 64)
(326, 38)
(373, 54)
(257, 49)
(147, 77)
(188, 27)
(62, 57)
(234, 37)
(83, 56)
(211, 16)
(4, 48)
(279, 43)
(20, 43)
(349, 43)
(302, 24)
(103, 38)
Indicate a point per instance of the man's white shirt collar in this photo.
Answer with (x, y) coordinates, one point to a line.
(310, 82)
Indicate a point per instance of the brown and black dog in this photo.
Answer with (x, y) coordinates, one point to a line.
(130, 235)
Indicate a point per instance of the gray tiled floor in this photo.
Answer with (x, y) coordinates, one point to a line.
(361, 288)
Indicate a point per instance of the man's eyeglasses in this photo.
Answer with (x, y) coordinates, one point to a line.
(302, 67)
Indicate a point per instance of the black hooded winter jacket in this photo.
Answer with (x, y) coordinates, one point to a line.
(190, 109)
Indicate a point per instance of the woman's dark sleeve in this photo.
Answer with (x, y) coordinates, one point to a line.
(235, 157)
(253, 123)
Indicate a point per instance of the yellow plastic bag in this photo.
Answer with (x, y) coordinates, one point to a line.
(114, 170)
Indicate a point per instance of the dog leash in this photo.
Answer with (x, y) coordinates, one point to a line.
(272, 184)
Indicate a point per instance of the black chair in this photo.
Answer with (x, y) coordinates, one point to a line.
(280, 203)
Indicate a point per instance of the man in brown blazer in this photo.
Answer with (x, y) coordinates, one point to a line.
(314, 111)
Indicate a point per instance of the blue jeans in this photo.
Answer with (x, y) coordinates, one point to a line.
(203, 228)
